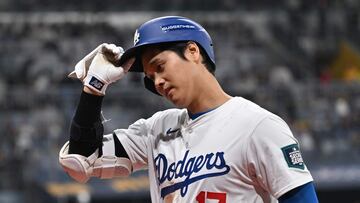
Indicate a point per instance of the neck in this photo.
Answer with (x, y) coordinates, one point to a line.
(210, 96)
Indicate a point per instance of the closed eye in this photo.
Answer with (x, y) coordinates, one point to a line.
(155, 66)
(160, 67)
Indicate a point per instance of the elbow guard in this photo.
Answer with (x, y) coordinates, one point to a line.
(82, 168)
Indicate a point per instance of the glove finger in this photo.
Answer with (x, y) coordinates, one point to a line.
(115, 73)
(92, 54)
(111, 48)
(80, 70)
(72, 75)
(112, 53)
(121, 52)
(82, 67)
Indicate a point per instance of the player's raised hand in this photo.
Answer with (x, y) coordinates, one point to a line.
(97, 70)
(82, 67)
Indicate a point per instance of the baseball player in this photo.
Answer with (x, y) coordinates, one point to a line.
(213, 148)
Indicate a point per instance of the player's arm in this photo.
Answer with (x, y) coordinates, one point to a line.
(302, 194)
(275, 159)
(86, 131)
(88, 153)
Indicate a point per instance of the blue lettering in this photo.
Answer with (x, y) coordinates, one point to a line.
(199, 163)
(171, 172)
(189, 168)
(208, 164)
(158, 160)
(220, 156)
(179, 171)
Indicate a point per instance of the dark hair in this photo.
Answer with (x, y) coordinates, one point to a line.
(179, 49)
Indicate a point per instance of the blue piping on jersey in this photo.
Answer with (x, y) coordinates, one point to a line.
(302, 194)
(196, 115)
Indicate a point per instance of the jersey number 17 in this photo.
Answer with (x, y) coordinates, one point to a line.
(202, 196)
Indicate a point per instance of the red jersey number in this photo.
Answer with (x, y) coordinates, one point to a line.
(203, 196)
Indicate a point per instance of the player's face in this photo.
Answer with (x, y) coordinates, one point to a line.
(173, 76)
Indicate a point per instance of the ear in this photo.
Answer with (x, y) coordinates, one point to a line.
(192, 52)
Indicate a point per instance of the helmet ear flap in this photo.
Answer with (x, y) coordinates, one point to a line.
(149, 84)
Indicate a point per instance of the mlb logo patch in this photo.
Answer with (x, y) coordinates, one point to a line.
(293, 156)
(97, 84)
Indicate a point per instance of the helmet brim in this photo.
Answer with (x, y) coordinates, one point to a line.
(132, 53)
(137, 66)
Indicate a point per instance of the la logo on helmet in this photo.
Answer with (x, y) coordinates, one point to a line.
(136, 37)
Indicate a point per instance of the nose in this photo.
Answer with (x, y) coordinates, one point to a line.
(159, 83)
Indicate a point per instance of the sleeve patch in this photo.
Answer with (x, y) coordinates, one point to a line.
(293, 156)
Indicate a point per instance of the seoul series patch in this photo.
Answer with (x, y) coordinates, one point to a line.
(96, 83)
(293, 156)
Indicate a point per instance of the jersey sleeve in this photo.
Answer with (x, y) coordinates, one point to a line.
(274, 160)
(135, 140)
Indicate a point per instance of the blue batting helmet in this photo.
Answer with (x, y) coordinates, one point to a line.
(162, 30)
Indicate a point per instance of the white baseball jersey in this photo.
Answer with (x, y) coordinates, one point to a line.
(238, 152)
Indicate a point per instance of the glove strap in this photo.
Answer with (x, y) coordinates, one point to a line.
(95, 84)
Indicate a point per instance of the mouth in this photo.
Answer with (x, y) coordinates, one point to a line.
(167, 91)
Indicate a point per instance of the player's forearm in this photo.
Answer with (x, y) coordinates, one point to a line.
(88, 109)
(88, 116)
(86, 128)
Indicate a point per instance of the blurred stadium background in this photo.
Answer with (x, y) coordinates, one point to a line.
(298, 58)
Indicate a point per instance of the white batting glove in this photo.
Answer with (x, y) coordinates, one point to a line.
(97, 69)
(82, 67)
(102, 70)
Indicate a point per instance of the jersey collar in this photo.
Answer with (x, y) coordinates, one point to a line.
(196, 115)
